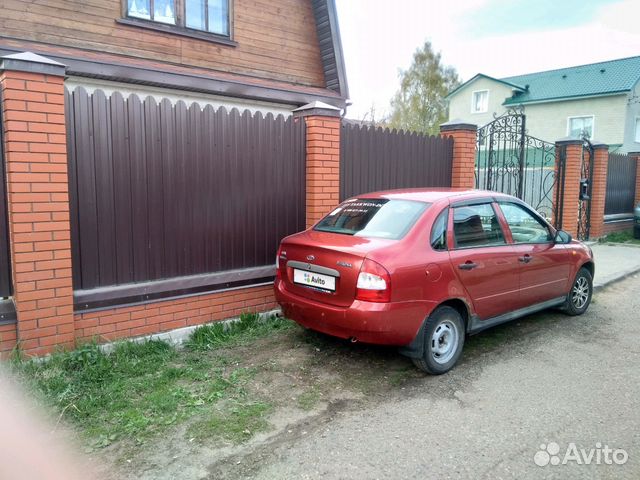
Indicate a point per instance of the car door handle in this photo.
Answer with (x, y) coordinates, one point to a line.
(468, 265)
(525, 259)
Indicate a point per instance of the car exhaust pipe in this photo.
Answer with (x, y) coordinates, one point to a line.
(353, 339)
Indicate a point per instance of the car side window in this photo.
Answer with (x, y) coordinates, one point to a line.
(439, 231)
(525, 227)
(476, 226)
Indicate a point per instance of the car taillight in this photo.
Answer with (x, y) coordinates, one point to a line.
(278, 272)
(281, 263)
(374, 283)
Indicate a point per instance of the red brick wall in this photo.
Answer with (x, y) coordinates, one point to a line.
(323, 166)
(464, 155)
(162, 316)
(598, 190)
(571, 188)
(611, 227)
(38, 205)
(8, 337)
(637, 156)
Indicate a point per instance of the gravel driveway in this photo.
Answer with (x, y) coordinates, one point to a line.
(552, 381)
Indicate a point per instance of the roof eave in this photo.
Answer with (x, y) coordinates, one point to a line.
(333, 50)
(562, 99)
(482, 75)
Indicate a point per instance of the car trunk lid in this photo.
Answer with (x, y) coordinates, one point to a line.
(331, 261)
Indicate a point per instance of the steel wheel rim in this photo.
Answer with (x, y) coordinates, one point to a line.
(580, 293)
(444, 341)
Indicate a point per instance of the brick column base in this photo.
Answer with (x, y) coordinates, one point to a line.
(464, 152)
(323, 159)
(598, 189)
(33, 121)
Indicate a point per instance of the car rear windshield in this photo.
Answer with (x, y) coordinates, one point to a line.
(381, 218)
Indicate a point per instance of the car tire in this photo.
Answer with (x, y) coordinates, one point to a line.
(579, 296)
(443, 336)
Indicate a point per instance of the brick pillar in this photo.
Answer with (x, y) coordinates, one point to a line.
(598, 189)
(636, 155)
(323, 158)
(464, 152)
(573, 162)
(33, 122)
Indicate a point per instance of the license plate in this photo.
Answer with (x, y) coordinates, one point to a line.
(315, 280)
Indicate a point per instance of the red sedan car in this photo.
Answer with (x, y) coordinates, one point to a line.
(420, 269)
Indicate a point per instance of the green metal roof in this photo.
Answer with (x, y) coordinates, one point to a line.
(604, 78)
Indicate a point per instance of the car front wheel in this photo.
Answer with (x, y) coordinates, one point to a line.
(443, 338)
(579, 296)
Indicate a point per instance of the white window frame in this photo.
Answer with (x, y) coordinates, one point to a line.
(473, 101)
(593, 124)
(635, 130)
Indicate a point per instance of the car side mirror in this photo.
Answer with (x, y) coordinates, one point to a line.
(562, 237)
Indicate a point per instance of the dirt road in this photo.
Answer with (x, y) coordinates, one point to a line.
(548, 389)
(549, 379)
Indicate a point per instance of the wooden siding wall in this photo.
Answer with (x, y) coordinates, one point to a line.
(160, 191)
(276, 39)
(375, 159)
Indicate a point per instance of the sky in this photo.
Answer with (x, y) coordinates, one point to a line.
(499, 38)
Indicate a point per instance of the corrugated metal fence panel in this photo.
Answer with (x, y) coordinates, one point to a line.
(621, 184)
(381, 159)
(162, 190)
(5, 264)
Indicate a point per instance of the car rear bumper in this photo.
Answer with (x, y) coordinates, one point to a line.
(394, 323)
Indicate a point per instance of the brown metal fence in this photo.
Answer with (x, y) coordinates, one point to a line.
(621, 184)
(5, 264)
(162, 191)
(381, 159)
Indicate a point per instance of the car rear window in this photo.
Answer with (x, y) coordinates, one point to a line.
(380, 218)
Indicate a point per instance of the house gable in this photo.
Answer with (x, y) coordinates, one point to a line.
(276, 48)
(460, 101)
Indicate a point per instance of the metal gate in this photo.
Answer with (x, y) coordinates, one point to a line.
(586, 181)
(584, 197)
(510, 161)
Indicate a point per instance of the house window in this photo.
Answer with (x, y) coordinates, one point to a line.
(637, 134)
(203, 15)
(162, 11)
(208, 15)
(579, 126)
(480, 101)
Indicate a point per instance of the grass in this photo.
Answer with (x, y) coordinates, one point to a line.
(310, 398)
(621, 237)
(141, 389)
(237, 423)
(247, 328)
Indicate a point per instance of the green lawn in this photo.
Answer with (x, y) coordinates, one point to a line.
(621, 237)
(141, 389)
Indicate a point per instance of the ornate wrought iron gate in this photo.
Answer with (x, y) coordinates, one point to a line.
(586, 180)
(510, 161)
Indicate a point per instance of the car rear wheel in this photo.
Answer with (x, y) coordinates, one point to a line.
(443, 340)
(579, 296)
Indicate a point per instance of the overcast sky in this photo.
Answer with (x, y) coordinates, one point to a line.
(496, 37)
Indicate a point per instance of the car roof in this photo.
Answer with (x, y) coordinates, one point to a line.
(433, 195)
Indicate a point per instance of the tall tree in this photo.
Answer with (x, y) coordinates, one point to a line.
(419, 105)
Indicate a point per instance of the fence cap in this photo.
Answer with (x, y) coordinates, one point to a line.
(457, 124)
(33, 63)
(569, 141)
(317, 108)
(599, 144)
